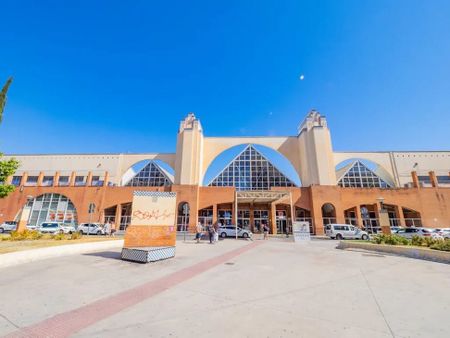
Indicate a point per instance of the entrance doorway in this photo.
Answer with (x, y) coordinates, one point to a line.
(282, 222)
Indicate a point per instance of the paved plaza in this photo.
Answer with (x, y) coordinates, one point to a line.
(234, 288)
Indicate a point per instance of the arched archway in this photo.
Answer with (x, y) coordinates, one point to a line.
(183, 213)
(328, 213)
(52, 207)
(148, 172)
(251, 167)
(363, 173)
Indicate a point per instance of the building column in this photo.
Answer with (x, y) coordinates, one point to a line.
(24, 178)
(89, 179)
(433, 179)
(359, 217)
(40, 179)
(273, 218)
(214, 215)
(118, 216)
(340, 217)
(106, 179)
(400, 215)
(415, 179)
(72, 179)
(56, 179)
(252, 217)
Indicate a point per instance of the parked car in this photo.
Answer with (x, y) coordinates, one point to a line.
(230, 231)
(444, 232)
(395, 229)
(8, 226)
(91, 228)
(345, 231)
(32, 227)
(55, 228)
(421, 232)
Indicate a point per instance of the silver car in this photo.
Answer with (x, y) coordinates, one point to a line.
(56, 228)
(8, 226)
(91, 228)
(421, 232)
(230, 231)
(345, 231)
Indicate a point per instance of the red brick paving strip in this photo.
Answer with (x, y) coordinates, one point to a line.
(68, 323)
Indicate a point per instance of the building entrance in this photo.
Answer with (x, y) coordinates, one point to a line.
(282, 222)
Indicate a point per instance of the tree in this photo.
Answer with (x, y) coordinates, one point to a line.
(3, 97)
(9, 167)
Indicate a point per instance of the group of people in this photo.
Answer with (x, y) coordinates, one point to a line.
(212, 229)
(213, 232)
(110, 229)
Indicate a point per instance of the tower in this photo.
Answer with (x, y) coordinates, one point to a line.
(189, 151)
(316, 152)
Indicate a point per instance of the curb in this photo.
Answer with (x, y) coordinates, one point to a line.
(33, 255)
(405, 251)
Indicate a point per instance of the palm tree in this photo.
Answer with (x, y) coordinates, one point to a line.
(3, 96)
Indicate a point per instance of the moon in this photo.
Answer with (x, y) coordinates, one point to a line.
(302, 77)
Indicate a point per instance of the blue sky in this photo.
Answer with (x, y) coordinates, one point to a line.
(102, 76)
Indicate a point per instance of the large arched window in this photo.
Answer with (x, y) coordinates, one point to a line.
(52, 208)
(360, 173)
(252, 170)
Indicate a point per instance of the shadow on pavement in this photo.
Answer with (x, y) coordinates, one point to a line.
(105, 254)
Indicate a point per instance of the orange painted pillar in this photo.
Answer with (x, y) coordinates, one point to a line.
(273, 218)
(433, 179)
(106, 179)
(359, 217)
(214, 215)
(40, 179)
(415, 179)
(56, 179)
(72, 179)
(89, 179)
(400, 215)
(24, 178)
(118, 217)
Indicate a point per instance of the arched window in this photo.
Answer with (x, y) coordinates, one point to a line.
(52, 208)
(328, 213)
(183, 216)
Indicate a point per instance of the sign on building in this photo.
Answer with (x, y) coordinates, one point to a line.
(151, 235)
(301, 231)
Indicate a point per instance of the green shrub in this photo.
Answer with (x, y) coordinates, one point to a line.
(417, 241)
(390, 240)
(59, 237)
(441, 245)
(76, 235)
(429, 241)
(25, 235)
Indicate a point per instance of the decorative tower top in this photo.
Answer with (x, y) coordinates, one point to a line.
(190, 123)
(313, 119)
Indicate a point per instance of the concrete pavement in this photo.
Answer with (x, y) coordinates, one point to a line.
(276, 289)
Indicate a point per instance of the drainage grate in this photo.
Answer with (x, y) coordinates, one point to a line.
(229, 263)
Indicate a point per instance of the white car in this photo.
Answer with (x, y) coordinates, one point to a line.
(55, 228)
(91, 228)
(345, 231)
(421, 232)
(8, 226)
(444, 232)
(230, 231)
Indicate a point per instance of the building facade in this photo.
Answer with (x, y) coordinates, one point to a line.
(412, 187)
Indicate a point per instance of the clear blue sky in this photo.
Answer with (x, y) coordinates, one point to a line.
(115, 76)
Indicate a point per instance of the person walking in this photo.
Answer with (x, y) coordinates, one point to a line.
(199, 230)
(216, 231)
(107, 229)
(211, 233)
(266, 232)
(113, 229)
